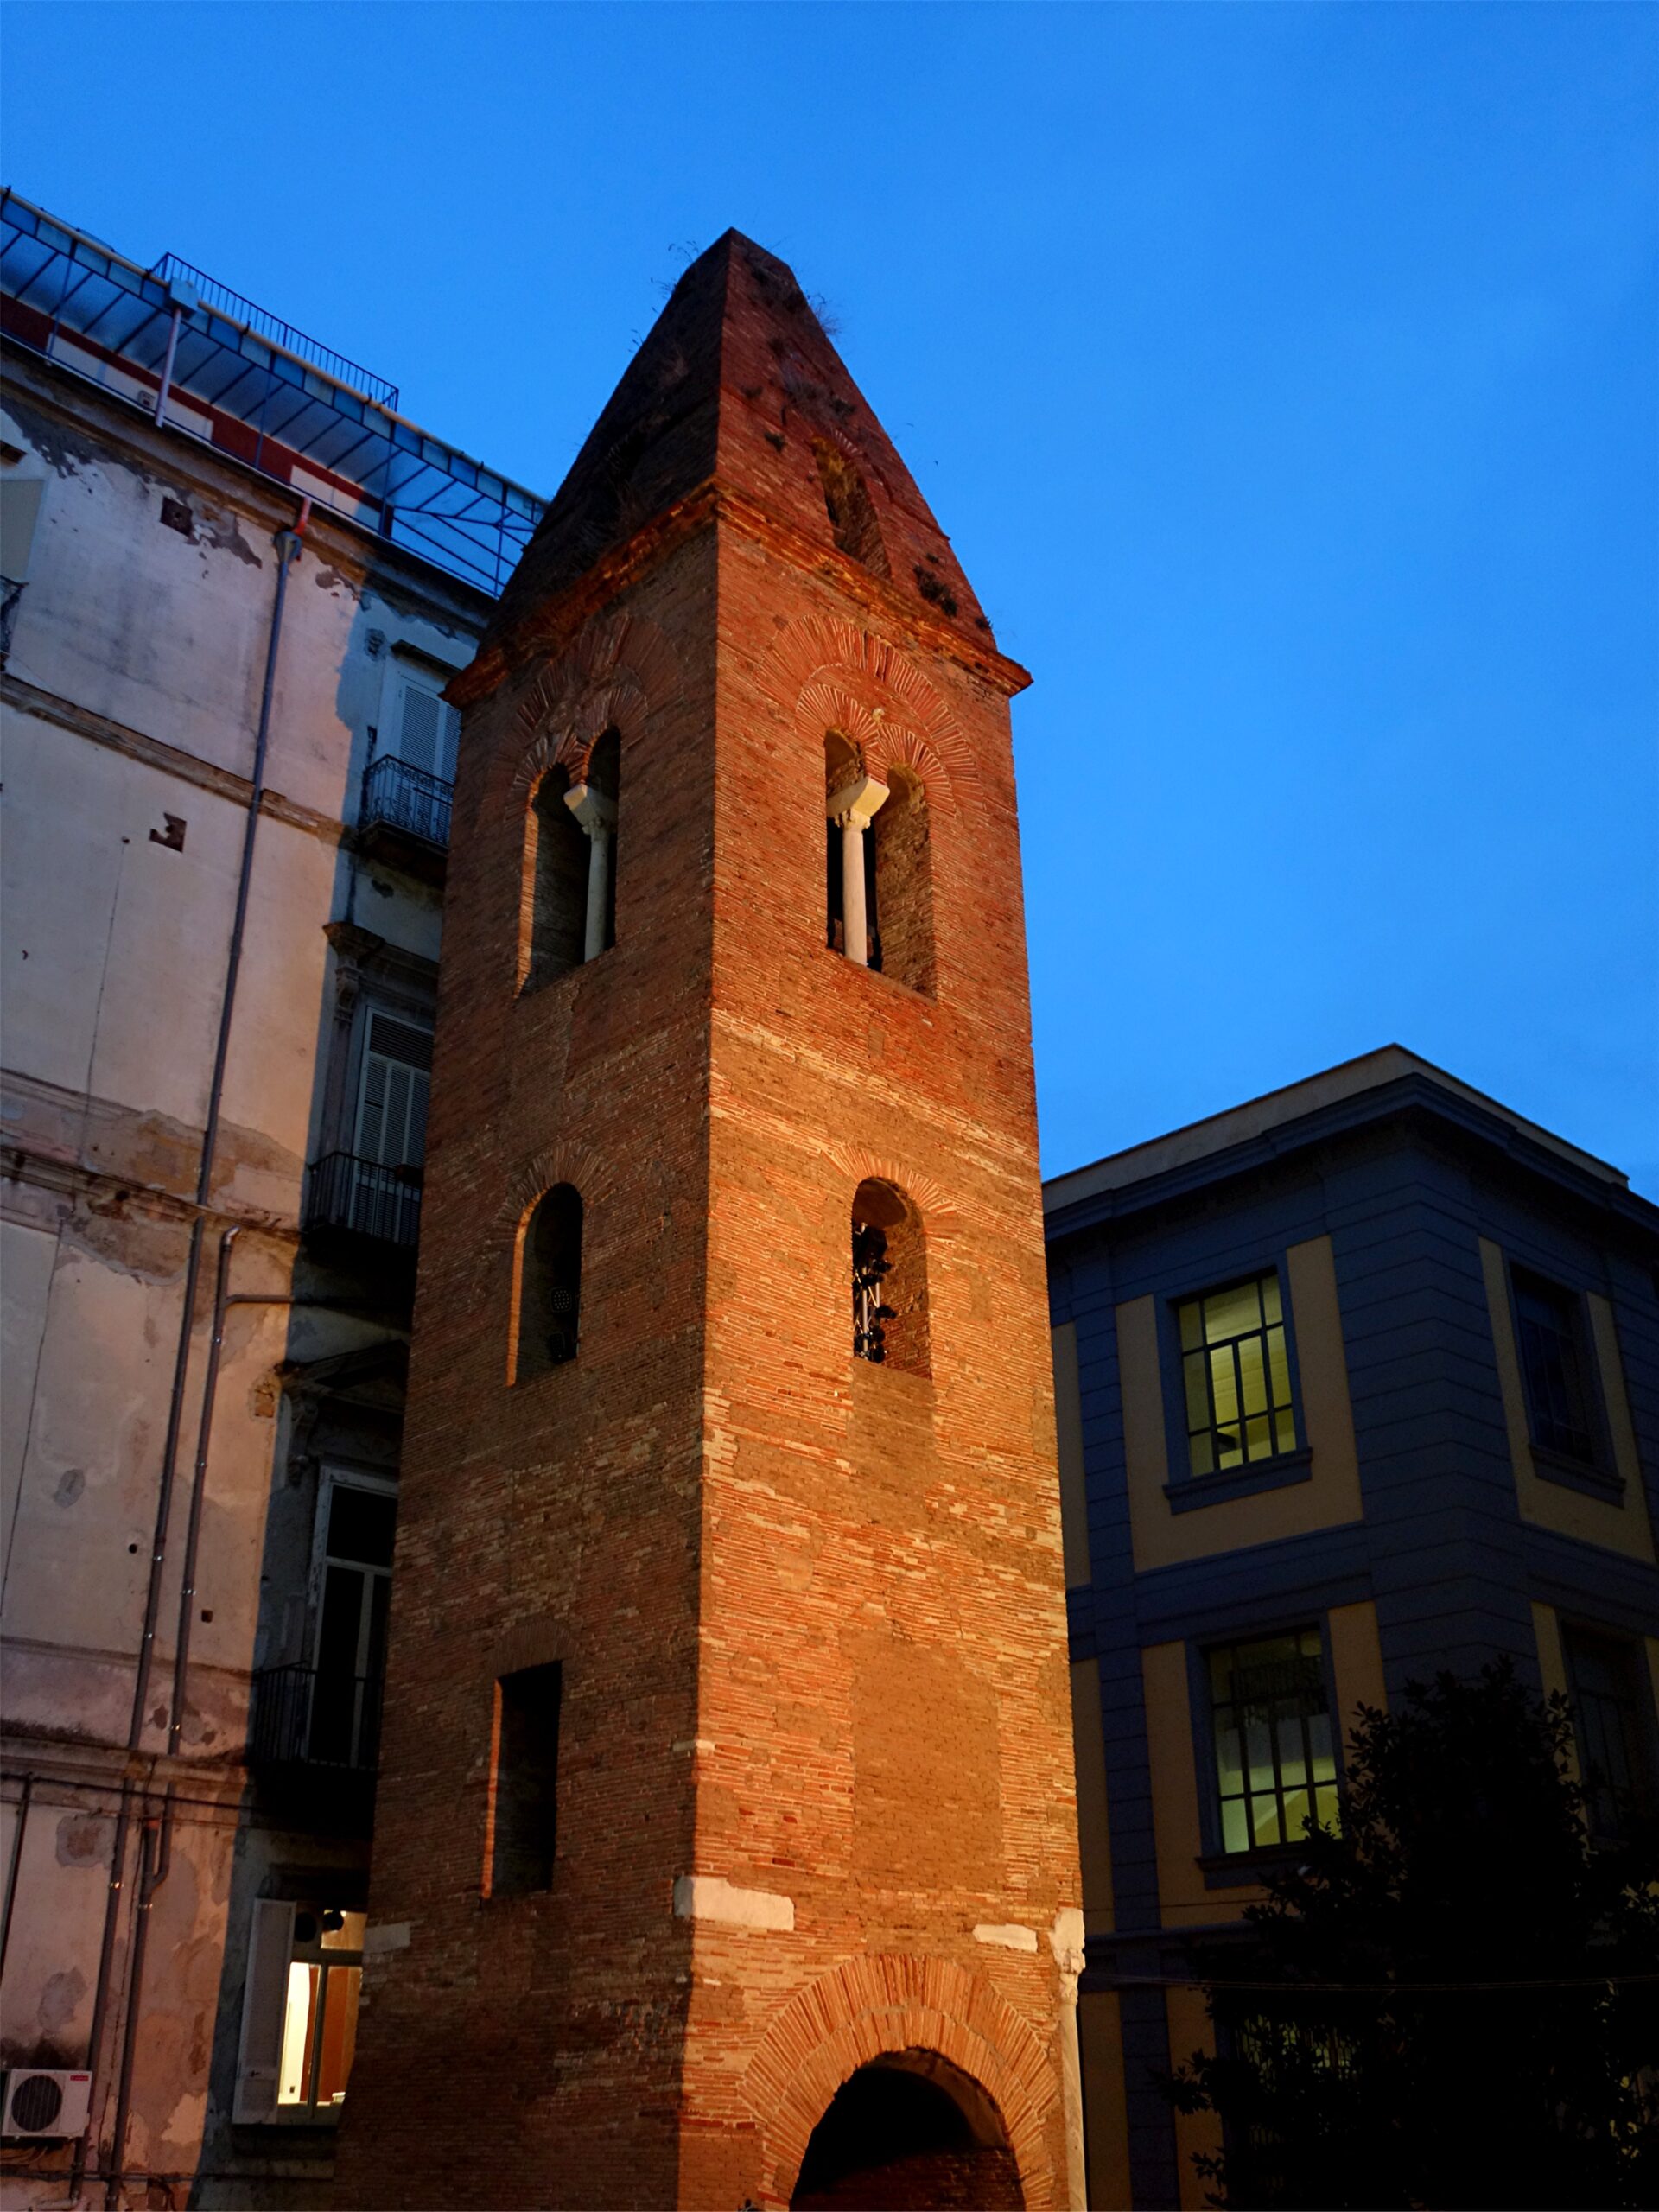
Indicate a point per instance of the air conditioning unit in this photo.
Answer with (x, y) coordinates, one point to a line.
(38, 2100)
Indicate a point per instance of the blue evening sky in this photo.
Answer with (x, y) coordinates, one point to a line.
(1284, 375)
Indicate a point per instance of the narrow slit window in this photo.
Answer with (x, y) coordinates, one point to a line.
(546, 1323)
(524, 1781)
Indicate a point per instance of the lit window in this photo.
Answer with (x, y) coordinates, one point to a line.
(1612, 1721)
(524, 1783)
(1553, 1361)
(1237, 1374)
(299, 2013)
(1276, 1757)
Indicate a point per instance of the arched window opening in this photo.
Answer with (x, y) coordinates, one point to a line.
(889, 1280)
(570, 866)
(852, 517)
(908, 2128)
(852, 800)
(901, 873)
(548, 1317)
(556, 882)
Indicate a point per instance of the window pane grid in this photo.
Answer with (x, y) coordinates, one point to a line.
(1552, 1359)
(1236, 1376)
(1276, 1761)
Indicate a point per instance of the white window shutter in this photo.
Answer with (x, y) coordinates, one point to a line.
(265, 2001)
(421, 728)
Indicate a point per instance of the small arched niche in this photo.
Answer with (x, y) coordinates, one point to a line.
(900, 865)
(547, 1303)
(852, 514)
(908, 2129)
(554, 908)
(889, 1271)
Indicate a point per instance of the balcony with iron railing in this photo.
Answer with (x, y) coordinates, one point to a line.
(304, 1717)
(404, 818)
(364, 1202)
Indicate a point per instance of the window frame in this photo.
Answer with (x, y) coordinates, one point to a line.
(409, 669)
(1223, 1869)
(1186, 1490)
(1643, 1752)
(1596, 1474)
(271, 1937)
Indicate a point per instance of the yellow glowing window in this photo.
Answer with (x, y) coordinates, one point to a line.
(325, 1980)
(1236, 1374)
(1275, 1755)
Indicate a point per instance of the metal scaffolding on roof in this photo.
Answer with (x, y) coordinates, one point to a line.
(173, 342)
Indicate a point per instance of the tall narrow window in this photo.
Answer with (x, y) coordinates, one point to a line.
(852, 517)
(1613, 1722)
(1237, 1373)
(1275, 1756)
(1555, 1362)
(299, 2013)
(351, 1645)
(548, 1311)
(524, 1781)
(555, 879)
(381, 1186)
(889, 1259)
(901, 887)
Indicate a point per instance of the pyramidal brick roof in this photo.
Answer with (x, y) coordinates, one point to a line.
(738, 384)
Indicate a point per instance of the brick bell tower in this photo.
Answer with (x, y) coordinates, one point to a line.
(726, 1842)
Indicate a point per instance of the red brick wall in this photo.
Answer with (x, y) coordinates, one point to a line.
(810, 1610)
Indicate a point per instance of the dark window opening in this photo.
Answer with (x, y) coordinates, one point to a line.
(1554, 1362)
(889, 1269)
(548, 1315)
(524, 1783)
(899, 893)
(1612, 1724)
(604, 778)
(1274, 1750)
(1236, 1374)
(351, 1644)
(852, 517)
(555, 920)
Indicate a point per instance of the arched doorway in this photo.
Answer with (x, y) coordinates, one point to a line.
(909, 2130)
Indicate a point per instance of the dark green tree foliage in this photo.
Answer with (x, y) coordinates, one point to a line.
(1493, 2037)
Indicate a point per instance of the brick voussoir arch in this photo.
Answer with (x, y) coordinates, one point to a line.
(939, 1217)
(588, 1173)
(620, 671)
(826, 673)
(893, 2002)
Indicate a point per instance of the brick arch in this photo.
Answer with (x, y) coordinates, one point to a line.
(939, 1217)
(587, 1172)
(618, 672)
(892, 2002)
(826, 673)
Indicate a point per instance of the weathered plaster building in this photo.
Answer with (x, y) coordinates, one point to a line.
(726, 1847)
(236, 584)
(1357, 1383)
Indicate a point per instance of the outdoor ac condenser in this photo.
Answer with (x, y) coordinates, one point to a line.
(38, 2100)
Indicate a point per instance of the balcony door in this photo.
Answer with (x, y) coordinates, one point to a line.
(425, 726)
(358, 1516)
(389, 1143)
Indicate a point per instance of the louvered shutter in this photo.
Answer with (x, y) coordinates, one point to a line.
(396, 1077)
(420, 730)
(264, 2001)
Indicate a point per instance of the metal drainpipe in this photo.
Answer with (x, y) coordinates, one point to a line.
(167, 365)
(288, 545)
(155, 1856)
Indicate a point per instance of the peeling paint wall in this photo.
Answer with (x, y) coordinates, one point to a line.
(129, 707)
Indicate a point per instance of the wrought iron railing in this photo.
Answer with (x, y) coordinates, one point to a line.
(398, 796)
(365, 1197)
(302, 1716)
(10, 595)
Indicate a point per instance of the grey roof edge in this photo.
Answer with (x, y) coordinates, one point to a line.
(1276, 1109)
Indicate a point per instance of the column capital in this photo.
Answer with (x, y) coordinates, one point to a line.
(854, 805)
(594, 813)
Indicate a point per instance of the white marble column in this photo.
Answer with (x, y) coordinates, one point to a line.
(852, 809)
(597, 816)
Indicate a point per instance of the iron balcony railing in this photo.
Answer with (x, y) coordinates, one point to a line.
(398, 796)
(303, 1716)
(366, 1198)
